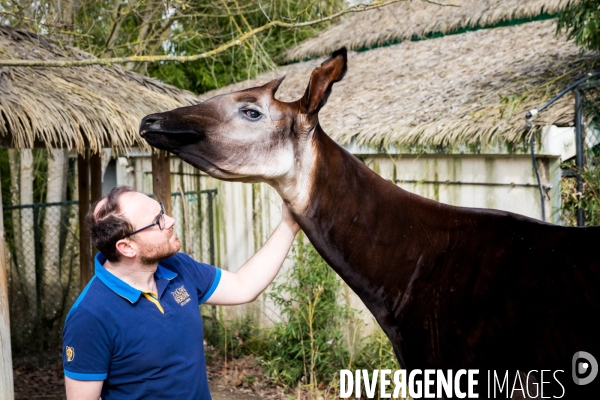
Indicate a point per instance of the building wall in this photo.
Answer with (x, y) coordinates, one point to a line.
(499, 182)
(248, 213)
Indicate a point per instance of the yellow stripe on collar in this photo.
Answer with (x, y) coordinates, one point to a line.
(153, 298)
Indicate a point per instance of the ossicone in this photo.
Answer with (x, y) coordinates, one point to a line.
(273, 85)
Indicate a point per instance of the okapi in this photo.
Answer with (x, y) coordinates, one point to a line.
(452, 287)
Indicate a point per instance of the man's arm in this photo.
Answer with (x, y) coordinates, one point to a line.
(83, 390)
(259, 271)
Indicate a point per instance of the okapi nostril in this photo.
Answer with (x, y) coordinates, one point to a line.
(149, 120)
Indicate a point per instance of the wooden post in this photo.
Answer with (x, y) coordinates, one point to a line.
(161, 179)
(96, 186)
(83, 181)
(96, 176)
(6, 372)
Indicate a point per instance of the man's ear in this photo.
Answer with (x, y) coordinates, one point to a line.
(125, 248)
(321, 80)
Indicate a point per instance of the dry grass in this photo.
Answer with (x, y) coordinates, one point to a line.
(418, 18)
(76, 108)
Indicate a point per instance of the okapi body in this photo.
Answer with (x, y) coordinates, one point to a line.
(452, 287)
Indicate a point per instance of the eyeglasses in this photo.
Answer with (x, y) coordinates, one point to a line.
(160, 221)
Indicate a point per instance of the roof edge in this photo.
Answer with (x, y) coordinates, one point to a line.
(435, 35)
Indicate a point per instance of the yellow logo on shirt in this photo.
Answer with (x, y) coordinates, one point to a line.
(181, 296)
(70, 353)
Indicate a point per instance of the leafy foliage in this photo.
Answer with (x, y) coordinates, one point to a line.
(581, 21)
(308, 346)
(118, 28)
(588, 199)
(376, 352)
(237, 338)
(316, 337)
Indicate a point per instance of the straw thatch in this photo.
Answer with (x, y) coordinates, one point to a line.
(469, 88)
(74, 108)
(417, 19)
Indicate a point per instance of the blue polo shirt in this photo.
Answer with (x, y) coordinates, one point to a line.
(142, 347)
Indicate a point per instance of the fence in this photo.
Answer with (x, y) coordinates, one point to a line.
(587, 133)
(43, 258)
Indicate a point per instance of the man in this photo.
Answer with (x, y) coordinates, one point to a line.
(135, 332)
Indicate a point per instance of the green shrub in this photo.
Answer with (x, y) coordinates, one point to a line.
(238, 337)
(588, 200)
(308, 345)
(376, 352)
(316, 337)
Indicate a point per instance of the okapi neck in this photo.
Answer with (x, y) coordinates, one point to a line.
(351, 212)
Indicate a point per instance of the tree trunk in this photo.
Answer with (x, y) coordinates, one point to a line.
(53, 221)
(69, 264)
(27, 239)
(6, 373)
(147, 17)
(15, 199)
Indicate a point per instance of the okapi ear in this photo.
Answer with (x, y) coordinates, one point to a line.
(322, 79)
(274, 84)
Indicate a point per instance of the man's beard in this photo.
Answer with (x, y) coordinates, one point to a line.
(152, 254)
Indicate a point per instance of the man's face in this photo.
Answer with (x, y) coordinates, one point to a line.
(153, 243)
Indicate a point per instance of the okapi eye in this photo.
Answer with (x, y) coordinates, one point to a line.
(252, 114)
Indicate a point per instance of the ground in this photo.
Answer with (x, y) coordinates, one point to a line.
(240, 379)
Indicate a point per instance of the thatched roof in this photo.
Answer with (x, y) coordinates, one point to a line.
(77, 108)
(418, 19)
(471, 88)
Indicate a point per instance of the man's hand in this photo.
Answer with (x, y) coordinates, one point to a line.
(259, 271)
(288, 219)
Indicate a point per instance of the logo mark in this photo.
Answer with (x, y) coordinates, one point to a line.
(70, 353)
(584, 364)
(181, 296)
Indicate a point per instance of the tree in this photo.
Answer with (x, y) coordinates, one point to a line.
(56, 191)
(581, 21)
(120, 28)
(27, 241)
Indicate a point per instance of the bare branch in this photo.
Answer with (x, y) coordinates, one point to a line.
(117, 18)
(441, 4)
(158, 58)
(263, 11)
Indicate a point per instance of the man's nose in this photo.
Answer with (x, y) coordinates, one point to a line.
(169, 222)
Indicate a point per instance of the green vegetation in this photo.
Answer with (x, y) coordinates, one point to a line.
(40, 176)
(588, 199)
(317, 335)
(581, 22)
(308, 345)
(109, 28)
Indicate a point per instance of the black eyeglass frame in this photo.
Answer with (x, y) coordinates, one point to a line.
(159, 221)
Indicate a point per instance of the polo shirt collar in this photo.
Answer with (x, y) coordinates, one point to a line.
(120, 287)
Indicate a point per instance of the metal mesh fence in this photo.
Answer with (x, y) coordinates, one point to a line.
(43, 254)
(591, 123)
(43, 243)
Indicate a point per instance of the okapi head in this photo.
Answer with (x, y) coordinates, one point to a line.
(250, 136)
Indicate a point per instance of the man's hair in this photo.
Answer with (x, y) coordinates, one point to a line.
(107, 226)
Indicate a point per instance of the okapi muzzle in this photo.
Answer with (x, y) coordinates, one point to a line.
(452, 287)
(155, 126)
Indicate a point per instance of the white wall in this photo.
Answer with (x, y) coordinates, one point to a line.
(500, 182)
